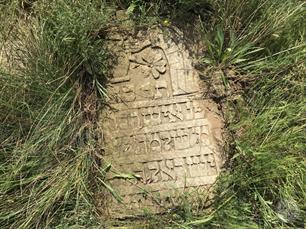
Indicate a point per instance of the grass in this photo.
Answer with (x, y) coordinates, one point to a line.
(263, 43)
(51, 86)
(49, 102)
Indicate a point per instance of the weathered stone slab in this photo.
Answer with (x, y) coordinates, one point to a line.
(157, 127)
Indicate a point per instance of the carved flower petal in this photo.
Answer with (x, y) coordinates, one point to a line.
(160, 63)
(155, 73)
(161, 69)
(158, 58)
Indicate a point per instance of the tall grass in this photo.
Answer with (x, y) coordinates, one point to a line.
(263, 42)
(49, 98)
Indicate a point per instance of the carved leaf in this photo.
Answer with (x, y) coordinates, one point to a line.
(155, 73)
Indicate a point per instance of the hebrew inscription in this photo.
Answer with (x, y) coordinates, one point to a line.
(157, 126)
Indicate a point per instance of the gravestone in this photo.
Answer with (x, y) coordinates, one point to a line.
(157, 127)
